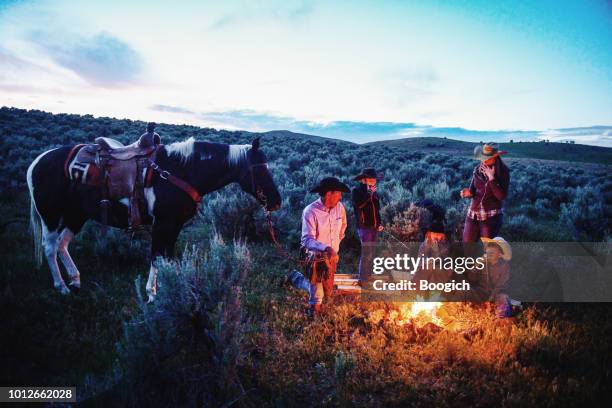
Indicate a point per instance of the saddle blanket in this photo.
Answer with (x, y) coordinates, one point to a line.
(81, 171)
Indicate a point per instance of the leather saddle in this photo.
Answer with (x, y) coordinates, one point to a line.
(119, 151)
(122, 169)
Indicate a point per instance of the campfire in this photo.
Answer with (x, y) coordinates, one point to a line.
(419, 314)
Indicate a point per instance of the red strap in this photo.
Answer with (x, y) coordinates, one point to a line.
(183, 185)
(186, 187)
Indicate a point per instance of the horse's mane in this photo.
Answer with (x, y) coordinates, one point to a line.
(182, 149)
(236, 154)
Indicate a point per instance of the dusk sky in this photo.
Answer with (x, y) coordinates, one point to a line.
(356, 70)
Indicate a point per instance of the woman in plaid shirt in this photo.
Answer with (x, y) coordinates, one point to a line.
(487, 190)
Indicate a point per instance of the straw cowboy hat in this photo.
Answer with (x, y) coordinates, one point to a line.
(330, 184)
(369, 172)
(503, 245)
(487, 151)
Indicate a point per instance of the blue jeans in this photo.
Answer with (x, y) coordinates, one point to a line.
(367, 236)
(473, 230)
(315, 290)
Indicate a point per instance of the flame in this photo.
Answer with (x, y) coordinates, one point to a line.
(419, 313)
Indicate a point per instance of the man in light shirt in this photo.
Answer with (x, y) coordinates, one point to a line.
(323, 227)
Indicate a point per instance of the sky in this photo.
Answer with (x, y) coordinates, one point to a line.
(354, 70)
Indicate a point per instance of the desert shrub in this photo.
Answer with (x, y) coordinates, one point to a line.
(232, 211)
(184, 348)
(439, 192)
(120, 247)
(395, 199)
(544, 207)
(455, 219)
(518, 228)
(587, 217)
(409, 224)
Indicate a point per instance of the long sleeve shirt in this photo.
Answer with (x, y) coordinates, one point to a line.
(322, 226)
(366, 206)
(488, 195)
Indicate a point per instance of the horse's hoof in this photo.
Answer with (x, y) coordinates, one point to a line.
(151, 298)
(75, 287)
(63, 289)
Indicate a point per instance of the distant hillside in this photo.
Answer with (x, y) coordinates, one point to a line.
(299, 136)
(533, 150)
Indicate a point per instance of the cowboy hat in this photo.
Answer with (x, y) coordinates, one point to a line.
(330, 184)
(369, 172)
(487, 151)
(503, 245)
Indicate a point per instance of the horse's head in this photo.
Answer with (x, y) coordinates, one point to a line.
(255, 178)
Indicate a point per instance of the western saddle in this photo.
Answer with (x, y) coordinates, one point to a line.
(118, 151)
(122, 168)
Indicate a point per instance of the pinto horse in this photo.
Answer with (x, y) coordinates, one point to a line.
(60, 207)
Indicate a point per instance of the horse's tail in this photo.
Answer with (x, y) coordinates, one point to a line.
(35, 221)
(36, 228)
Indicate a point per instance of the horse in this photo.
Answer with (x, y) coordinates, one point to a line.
(60, 207)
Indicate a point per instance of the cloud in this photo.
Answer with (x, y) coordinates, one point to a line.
(13, 63)
(34, 90)
(408, 85)
(595, 135)
(9, 60)
(247, 119)
(362, 132)
(21, 76)
(286, 11)
(102, 60)
(171, 109)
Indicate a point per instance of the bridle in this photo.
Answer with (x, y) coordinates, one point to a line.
(255, 187)
(258, 191)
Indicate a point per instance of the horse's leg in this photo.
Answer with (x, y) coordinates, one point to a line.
(152, 282)
(51, 244)
(64, 240)
(162, 245)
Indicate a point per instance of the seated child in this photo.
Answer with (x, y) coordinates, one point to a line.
(490, 284)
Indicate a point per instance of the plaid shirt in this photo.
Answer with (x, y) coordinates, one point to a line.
(481, 214)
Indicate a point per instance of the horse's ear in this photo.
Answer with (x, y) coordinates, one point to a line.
(255, 144)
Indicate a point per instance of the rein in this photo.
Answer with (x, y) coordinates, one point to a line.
(279, 248)
(262, 198)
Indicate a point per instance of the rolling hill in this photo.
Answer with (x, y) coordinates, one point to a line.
(532, 150)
